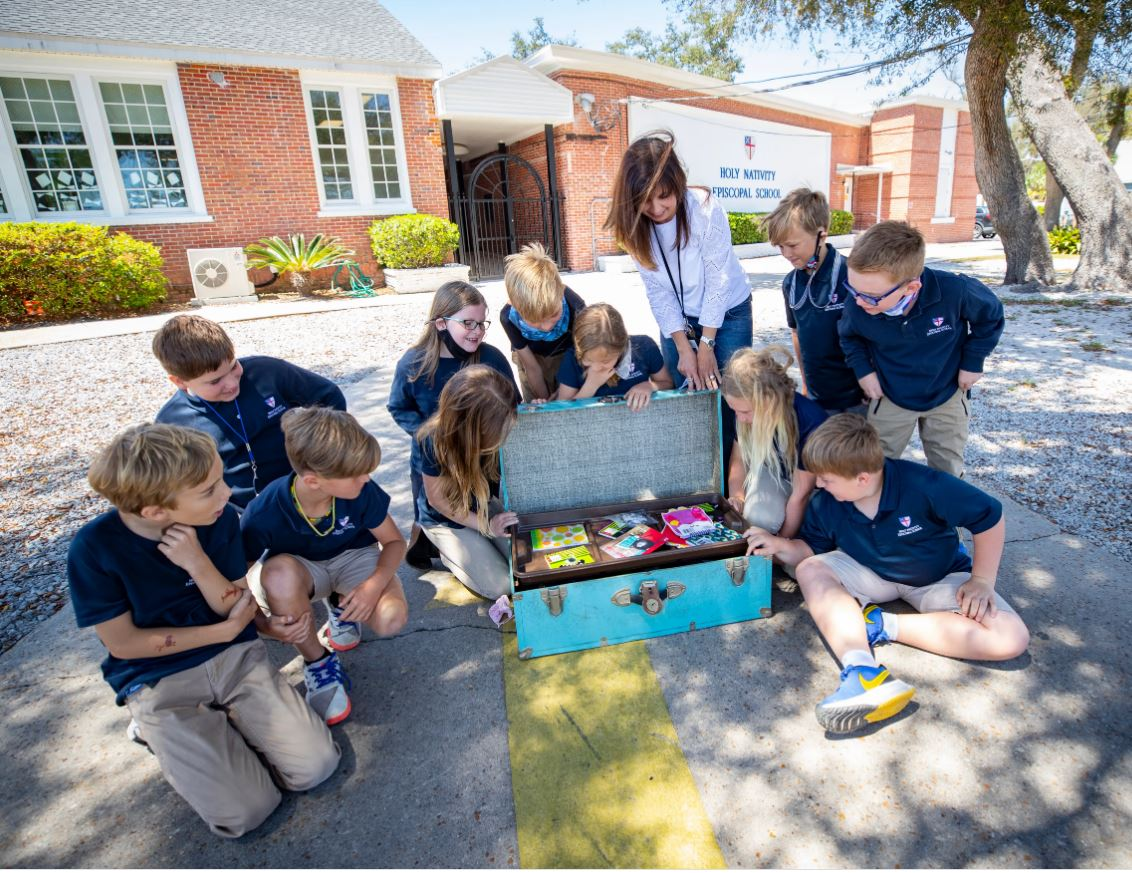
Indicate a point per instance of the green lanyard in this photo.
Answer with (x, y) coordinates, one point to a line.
(333, 513)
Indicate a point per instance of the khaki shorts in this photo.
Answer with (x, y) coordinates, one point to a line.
(943, 430)
(868, 587)
(547, 364)
(342, 573)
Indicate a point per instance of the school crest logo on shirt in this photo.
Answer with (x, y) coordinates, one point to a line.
(909, 528)
(939, 325)
(270, 401)
(905, 520)
(937, 321)
(832, 296)
(344, 520)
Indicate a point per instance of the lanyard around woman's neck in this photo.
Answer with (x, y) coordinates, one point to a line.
(679, 269)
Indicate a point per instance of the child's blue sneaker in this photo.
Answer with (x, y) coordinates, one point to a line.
(867, 695)
(338, 635)
(327, 685)
(874, 626)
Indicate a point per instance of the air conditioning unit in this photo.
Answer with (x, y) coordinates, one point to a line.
(220, 276)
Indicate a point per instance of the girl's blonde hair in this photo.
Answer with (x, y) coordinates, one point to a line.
(761, 379)
(476, 412)
(600, 326)
(449, 299)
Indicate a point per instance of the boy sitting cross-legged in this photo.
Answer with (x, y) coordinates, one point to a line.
(881, 530)
(328, 535)
(161, 579)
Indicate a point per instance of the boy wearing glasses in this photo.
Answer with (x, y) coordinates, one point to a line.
(916, 338)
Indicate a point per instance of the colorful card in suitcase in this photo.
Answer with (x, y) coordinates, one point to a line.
(559, 537)
(640, 540)
(574, 557)
(688, 521)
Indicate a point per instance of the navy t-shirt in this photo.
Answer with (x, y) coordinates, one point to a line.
(272, 522)
(813, 309)
(810, 418)
(112, 570)
(646, 361)
(912, 540)
(427, 465)
(268, 388)
(544, 348)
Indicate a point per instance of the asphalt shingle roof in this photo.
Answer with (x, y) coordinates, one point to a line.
(348, 30)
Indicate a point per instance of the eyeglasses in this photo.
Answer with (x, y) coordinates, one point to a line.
(873, 301)
(470, 324)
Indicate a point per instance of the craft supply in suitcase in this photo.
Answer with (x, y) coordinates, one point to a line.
(603, 495)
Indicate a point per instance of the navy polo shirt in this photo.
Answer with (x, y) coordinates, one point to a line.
(544, 348)
(810, 418)
(912, 540)
(813, 309)
(953, 325)
(426, 464)
(645, 359)
(272, 522)
(113, 571)
(268, 388)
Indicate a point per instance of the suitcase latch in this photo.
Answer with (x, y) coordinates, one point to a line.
(649, 596)
(737, 568)
(553, 598)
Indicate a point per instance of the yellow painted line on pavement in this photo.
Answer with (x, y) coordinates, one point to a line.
(597, 771)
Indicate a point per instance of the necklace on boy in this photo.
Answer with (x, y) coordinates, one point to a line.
(333, 514)
(241, 434)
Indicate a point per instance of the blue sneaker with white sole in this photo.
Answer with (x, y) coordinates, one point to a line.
(866, 695)
(874, 626)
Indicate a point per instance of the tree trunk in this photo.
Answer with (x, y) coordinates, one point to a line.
(1071, 151)
(998, 168)
(301, 282)
(1117, 112)
(1078, 67)
(1054, 197)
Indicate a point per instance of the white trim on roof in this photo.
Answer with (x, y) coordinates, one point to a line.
(503, 88)
(925, 100)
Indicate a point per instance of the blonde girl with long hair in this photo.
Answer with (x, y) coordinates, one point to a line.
(767, 482)
(458, 462)
(607, 361)
(451, 338)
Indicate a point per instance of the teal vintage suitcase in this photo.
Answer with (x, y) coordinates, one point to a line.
(581, 461)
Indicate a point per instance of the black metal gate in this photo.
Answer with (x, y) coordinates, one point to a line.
(506, 207)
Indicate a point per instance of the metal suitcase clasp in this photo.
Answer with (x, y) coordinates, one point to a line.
(553, 598)
(649, 596)
(737, 569)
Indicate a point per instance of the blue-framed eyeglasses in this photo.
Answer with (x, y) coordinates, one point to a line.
(873, 301)
(470, 323)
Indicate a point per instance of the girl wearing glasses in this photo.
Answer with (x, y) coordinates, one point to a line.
(452, 338)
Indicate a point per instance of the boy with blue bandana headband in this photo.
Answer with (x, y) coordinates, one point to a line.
(916, 338)
(539, 320)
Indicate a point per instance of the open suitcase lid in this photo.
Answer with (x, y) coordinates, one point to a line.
(572, 453)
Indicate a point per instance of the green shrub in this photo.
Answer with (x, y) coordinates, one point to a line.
(64, 270)
(296, 257)
(746, 227)
(1065, 240)
(410, 241)
(840, 222)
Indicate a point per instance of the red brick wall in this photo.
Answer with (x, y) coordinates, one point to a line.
(254, 156)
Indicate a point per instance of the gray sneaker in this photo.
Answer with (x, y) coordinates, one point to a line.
(327, 687)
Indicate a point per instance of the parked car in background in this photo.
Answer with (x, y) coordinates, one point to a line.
(984, 227)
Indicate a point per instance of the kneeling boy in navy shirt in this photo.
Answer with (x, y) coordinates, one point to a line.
(328, 536)
(883, 530)
(159, 578)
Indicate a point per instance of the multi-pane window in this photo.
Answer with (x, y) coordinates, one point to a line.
(330, 139)
(382, 150)
(142, 134)
(3, 205)
(51, 143)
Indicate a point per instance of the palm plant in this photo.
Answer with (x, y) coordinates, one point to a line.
(297, 257)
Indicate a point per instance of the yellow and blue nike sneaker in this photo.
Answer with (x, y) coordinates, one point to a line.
(866, 695)
(874, 626)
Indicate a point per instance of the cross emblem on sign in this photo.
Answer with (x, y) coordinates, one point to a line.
(749, 145)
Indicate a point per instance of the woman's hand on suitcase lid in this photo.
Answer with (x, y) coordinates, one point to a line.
(498, 524)
(761, 542)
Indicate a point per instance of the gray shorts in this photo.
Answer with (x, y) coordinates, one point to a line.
(342, 573)
(868, 587)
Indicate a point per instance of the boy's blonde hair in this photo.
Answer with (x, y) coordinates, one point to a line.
(533, 284)
(449, 299)
(329, 443)
(803, 209)
(600, 326)
(189, 346)
(892, 247)
(148, 464)
(761, 379)
(845, 445)
(477, 409)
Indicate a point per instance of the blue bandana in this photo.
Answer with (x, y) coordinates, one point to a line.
(532, 333)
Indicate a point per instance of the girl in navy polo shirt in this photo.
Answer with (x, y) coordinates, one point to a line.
(452, 338)
(607, 361)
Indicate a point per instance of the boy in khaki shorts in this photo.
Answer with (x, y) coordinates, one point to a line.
(327, 535)
(916, 338)
(880, 530)
(161, 579)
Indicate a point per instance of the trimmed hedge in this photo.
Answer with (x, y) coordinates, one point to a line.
(63, 270)
(411, 241)
(1065, 240)
(840, 222)
(747, 227)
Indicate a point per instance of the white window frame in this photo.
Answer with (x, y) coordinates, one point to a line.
(84, 75)
(350, 87)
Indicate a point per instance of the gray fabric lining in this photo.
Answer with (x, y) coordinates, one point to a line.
(558, 459)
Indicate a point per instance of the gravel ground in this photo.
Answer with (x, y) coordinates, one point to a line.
(1052, 425)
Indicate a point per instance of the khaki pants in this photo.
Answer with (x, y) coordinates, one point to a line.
(549, 367)
(207, 724)
(943, 430)
(481, 563)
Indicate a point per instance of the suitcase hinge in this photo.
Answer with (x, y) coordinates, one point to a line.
(737, 568)
(649, 596)
(553, 598)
